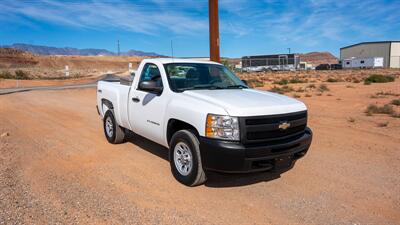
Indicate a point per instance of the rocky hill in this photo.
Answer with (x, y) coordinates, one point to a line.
(317, 58)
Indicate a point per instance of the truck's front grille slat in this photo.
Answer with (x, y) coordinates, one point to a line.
(266, 128)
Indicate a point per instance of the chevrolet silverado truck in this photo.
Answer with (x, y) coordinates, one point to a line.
(207, 117)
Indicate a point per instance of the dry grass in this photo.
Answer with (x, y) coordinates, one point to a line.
(281, 90)
(254, 82)
(323, 88)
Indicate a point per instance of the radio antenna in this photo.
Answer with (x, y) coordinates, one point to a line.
(172, 50)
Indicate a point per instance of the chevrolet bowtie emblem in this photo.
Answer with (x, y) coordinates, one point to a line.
(284, 125)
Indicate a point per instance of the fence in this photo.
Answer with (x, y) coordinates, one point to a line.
(283, 62)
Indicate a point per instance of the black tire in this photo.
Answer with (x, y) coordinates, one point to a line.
(117, 135)
(196, 176)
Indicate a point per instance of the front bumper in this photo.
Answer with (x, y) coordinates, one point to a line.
(228, 156)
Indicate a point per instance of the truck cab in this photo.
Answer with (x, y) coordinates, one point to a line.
(207, 117)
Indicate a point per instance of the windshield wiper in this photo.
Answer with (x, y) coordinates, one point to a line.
(236, 86)
(196, 87)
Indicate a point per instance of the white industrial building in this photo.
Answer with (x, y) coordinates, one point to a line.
(371, 55)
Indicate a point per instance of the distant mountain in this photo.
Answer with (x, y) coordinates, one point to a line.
(46, 50)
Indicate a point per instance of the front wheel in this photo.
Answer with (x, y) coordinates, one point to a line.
(185, 159)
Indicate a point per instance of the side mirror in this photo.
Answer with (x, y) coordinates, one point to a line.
(245, 82)
(150, 86)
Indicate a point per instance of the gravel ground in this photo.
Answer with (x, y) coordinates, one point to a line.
(57, 168)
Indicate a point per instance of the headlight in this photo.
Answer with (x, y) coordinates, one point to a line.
(222, 127)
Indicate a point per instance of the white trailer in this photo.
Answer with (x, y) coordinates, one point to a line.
(371, 62)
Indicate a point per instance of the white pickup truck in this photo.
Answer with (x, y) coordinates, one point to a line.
(208, 118)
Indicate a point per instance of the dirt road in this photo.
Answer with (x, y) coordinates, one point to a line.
(57, 167)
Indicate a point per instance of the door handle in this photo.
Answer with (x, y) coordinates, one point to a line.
(135, 99)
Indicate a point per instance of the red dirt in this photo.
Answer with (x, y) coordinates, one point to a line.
(57, 167)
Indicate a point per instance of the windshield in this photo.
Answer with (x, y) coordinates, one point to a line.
(191, 76)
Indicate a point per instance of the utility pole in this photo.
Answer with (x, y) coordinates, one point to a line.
(118, 47)
(214, 30)
(172, 49)
(289, 50)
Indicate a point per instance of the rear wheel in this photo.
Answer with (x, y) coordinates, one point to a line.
(185, 159)
(113, 132)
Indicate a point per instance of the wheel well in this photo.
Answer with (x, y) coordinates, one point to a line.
(175, 125)
(107, 103)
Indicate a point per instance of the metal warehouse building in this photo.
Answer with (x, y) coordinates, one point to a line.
(388, 50)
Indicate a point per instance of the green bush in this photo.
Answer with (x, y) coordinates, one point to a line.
(21, 75)
(6, 75)
(375, 78)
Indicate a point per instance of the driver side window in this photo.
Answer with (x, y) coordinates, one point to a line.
(151, 72)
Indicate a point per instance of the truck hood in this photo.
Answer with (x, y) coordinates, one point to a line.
(248, 102)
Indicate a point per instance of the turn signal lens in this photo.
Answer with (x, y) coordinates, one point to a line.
(222, 127)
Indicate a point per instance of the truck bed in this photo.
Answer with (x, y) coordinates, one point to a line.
(117, 94)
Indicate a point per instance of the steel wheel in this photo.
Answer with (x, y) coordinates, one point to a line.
(109, 127)
(183, 158)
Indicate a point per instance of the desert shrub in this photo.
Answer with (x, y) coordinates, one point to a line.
(281, 82)
(255, 83)
(311, 86)
(6, 75)
(307, 95)
(331, 79)
(281, 90)
(323, 87)
(395, 102)
(21, 75)
(296, 96)
(297, 81)
(351, 120)
(374, 109)
(387, 93)
(375, 78)
(383, 124)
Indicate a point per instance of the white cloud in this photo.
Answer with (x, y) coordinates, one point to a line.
(138, 18)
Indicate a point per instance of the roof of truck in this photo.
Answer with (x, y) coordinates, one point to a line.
(178, 60)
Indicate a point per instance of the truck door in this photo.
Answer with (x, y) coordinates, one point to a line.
(146, 110)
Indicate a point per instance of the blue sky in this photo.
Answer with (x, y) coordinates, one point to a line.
(246, 27)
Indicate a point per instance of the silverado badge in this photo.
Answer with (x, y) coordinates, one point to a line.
(284, 125)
